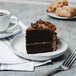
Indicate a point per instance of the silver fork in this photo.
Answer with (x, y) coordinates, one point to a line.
(65, 66)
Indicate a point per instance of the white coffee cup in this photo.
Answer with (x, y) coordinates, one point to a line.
(5, 18)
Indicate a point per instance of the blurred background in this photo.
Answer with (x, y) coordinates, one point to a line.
(36, 1)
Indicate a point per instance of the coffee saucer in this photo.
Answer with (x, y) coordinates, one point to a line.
(11, 32)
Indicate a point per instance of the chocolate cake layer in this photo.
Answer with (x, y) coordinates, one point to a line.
(38, 33)
(39, 36)
(39, 47)
(38, 39)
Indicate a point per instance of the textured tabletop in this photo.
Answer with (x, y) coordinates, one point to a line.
(66, 29)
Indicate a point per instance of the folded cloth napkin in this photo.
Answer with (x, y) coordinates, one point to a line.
(9, 61)
(29, 66)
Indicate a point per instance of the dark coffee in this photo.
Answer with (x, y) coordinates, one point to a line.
(3, 13)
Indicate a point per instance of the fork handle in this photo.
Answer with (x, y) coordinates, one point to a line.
(52, 72)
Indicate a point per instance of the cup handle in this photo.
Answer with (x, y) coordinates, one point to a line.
(14, 21)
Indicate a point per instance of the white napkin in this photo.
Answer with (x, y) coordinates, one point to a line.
(29, 66)
(9, 61)
(6, 56)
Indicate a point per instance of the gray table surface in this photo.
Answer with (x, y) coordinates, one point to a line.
(66, 29)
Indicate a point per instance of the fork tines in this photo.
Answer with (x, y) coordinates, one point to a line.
(70, 60)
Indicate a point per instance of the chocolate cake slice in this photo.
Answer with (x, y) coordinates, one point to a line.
(41, 37)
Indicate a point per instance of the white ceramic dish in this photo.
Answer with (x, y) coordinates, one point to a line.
(10, 32)
(58, 17)
(18, 46)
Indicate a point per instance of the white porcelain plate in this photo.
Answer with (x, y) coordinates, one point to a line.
(19, 48)
(58, 17)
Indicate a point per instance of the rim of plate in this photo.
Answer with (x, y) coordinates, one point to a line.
(52, 14)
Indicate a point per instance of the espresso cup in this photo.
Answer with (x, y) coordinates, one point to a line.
(5, 18)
